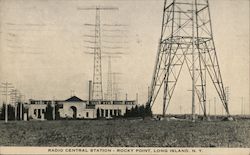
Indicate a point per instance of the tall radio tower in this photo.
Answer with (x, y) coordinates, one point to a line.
(97, 91)
(109, 82)
(186, 38)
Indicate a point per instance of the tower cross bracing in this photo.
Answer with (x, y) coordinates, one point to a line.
(186, 38)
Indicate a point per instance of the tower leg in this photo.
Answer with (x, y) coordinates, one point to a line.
(186, 37)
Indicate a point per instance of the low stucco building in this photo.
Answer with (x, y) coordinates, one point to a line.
(76, 108)
(108, 109)
(37, 108)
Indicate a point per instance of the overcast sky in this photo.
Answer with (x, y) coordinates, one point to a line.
(42, 49)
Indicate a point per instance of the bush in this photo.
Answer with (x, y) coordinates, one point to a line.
(141, 111)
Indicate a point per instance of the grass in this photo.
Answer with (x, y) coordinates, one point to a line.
(126, 133)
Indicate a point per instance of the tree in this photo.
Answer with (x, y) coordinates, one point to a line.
(20, 115)
(126, 113)
(148, 111)
(136, 111)
(57, 115)
(141, 111)
(11, 112)
(49, 112)
(98, 113)
(2, 114)
(132, 112)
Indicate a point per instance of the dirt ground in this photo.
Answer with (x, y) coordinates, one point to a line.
(126, 133)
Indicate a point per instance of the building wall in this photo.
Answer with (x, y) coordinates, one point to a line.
(76, 110)
(81, 109)
(37, 111)
(107, 110)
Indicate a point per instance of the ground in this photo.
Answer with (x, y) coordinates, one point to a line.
(124, 133)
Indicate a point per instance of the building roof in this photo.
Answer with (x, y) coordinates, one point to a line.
(74, 99)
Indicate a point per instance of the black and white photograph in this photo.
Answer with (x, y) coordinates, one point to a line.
(124, 77)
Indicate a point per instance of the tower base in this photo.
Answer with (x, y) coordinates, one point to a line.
(229, 118)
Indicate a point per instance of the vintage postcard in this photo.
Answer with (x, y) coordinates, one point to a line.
(124, 77)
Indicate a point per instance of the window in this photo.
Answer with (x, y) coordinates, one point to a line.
(34, 111)
(87, 114)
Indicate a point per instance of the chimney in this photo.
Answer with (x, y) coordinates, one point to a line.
(90, 90)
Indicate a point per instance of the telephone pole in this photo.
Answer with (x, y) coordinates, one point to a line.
(6, 91)
(14, 95)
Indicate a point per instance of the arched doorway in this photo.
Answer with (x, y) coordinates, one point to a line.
(74, 109)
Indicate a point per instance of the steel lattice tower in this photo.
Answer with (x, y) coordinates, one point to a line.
(186, 38)
(97, 77)
(109, 81)
(97, 91)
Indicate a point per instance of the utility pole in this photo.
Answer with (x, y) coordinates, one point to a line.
(14, 99)
(6, 91)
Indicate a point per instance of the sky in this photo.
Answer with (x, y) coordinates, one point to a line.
(43, 49)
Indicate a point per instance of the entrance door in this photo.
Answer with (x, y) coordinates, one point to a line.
(74, 111)
(39, 114)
